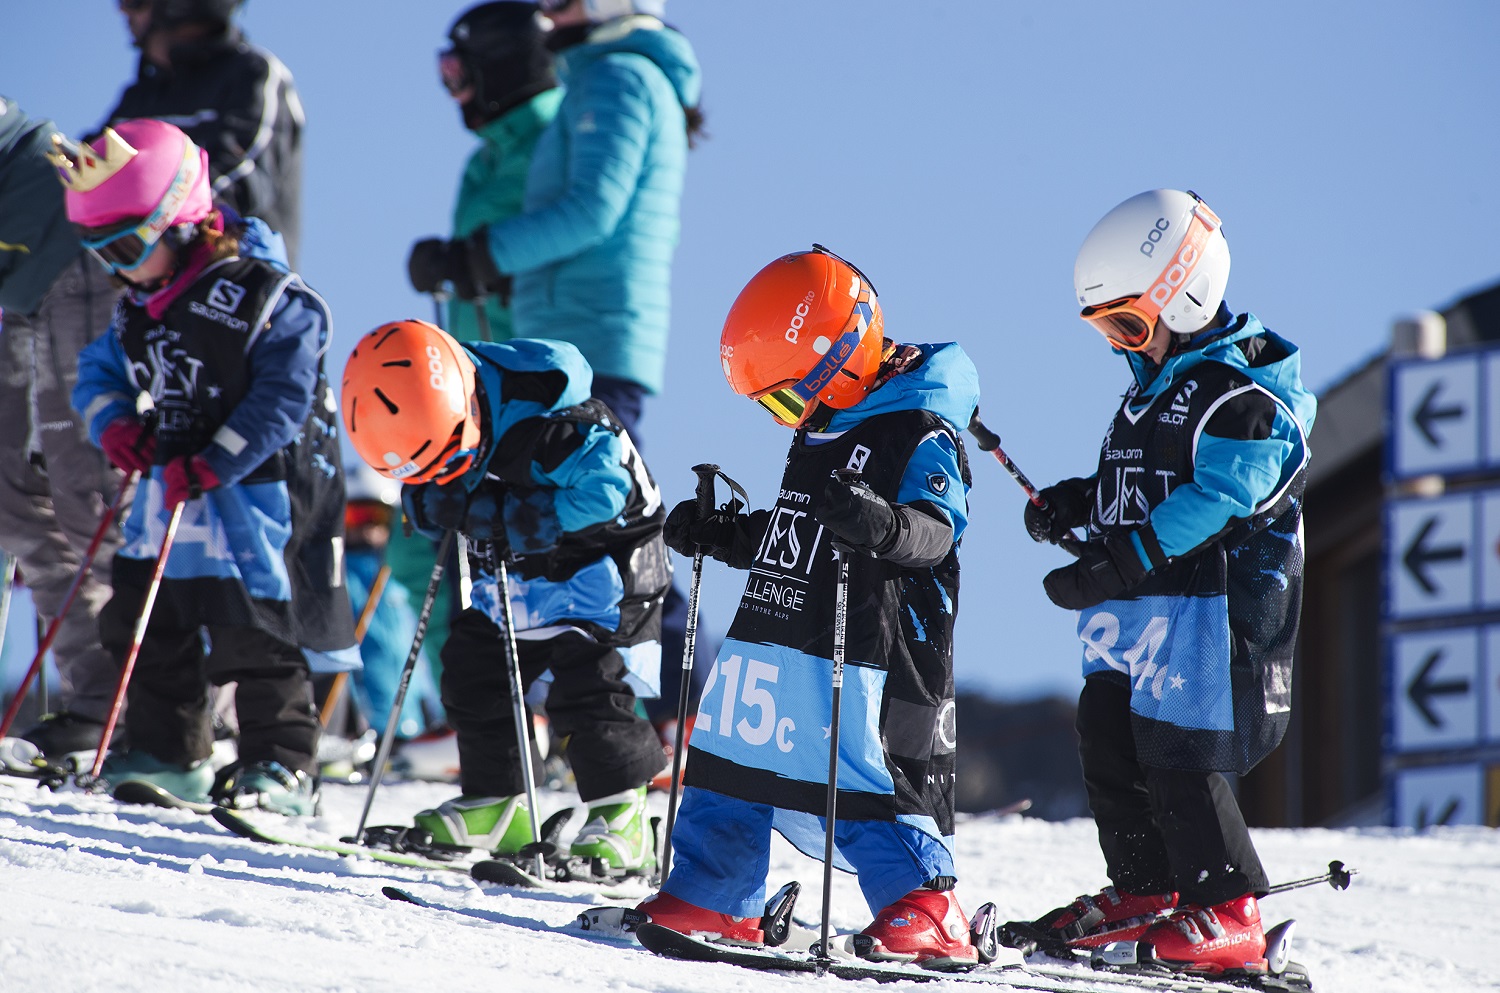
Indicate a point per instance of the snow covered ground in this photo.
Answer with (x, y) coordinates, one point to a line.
(97, 896)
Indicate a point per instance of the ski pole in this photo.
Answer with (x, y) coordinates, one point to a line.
(1337, 876)
(7, 586)
(518, 707)
(366, 615)
(394, 719)
(482, 314)
(136, 639)
(439, 298)
(989, 441)
(705, 493)
(45, 644)
(840, 621)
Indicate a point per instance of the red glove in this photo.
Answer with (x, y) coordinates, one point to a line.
(187, 477)
(128, 444)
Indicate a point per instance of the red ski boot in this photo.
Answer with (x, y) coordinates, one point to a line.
(1211, 940)
(685, 918)
(925, 926)
(1094, 921)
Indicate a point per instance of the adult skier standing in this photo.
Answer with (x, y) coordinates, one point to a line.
(235, 100)
(228, 344)
(498, 71)
(501, 442)
(805, 339)
(1189, 587)
(588, 260)
(55, 484)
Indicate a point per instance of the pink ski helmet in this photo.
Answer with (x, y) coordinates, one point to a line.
(130, 186)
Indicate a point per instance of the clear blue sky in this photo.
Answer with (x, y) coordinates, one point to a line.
(958, 152)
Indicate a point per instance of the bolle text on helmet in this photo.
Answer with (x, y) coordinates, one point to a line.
(800, 317)
(1175, 275)
(1154, 236)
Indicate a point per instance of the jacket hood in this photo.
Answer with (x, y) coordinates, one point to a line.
(259, 242)
(946, 383)
(640, 35)
(571, 383)
(1282, 378)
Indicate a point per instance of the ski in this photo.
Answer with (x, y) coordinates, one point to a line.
(246, 829)
(136, 791)
(618, 939)
(1060, 979)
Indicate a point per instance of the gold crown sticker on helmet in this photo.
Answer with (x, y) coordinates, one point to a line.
(80, 168)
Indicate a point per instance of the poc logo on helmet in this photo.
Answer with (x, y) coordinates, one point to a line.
(1153, 237)
(800, 317)
(435, 369)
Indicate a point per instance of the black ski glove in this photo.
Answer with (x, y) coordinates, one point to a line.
(724, 533)
(434, 509)
(1069, 504)
(859, 516)
(466, 263)
(1104, 570)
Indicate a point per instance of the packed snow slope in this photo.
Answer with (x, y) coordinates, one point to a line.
(99, 896)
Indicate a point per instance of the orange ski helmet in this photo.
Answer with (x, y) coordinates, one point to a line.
(806, 329)
(409, 403)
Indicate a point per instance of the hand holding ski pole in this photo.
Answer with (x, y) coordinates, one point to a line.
(989, 441)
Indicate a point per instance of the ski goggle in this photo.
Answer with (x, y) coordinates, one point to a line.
(454, 72)
(1129, 321)
(792, 402)
(123, 248)
(367, 514)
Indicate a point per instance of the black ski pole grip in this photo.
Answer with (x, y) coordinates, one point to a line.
(847, 476)
(705, 492)
(987, 440)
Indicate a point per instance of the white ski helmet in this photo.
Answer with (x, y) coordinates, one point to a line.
(362, 484)
(1159, 254)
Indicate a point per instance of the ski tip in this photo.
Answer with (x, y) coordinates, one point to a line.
(402, 896)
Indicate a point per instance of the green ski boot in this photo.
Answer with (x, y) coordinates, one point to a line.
(618, 833)
(185, 782)
(500, 825)
(267, 786)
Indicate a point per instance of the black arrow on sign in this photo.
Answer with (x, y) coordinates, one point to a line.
(1418, 556)
(1445, 814)
(1427, 413)
(1422, 689)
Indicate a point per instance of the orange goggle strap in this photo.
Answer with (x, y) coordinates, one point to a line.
(790, 403)
(1128, 322)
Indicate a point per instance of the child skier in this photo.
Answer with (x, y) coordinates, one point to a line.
(501, 442)
(228, 344)
(804, 339)
(1190, 587)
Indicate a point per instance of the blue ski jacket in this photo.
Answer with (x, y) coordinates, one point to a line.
(592, 251)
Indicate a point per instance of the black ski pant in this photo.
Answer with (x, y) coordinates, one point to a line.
(171, 715)
(1160, 829)
(610, 747)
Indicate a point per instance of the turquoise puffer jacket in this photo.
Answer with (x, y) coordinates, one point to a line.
(592, 252)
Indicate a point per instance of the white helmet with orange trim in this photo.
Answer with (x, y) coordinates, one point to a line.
(1159, 255)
